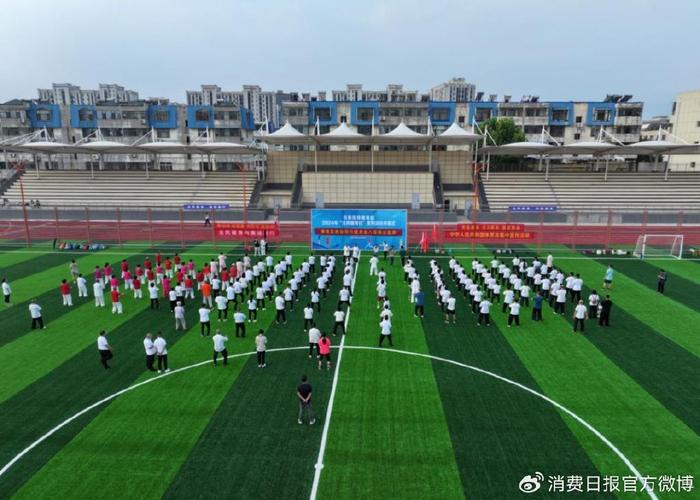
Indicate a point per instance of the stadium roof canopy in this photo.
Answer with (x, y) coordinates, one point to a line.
(111, 147)
(343, 134)
(518, 149)
(402, 135)
(651, 148)
(456, 135)
(285, 135)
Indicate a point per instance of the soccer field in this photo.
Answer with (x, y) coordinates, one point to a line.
(451, 411)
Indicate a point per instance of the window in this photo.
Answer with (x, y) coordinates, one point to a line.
(365, 114)
(577, 136)
(461, 119)
(482, 114)
(201, 115)
(322, 114)
(364, 129)
(440, 114)
(43, 114)
(579, 119)
(532, 129)
(163, 133)
(557, 131)
(85, 115)
(161, 115)
(601, 115)
(560, 115)
(343, 119)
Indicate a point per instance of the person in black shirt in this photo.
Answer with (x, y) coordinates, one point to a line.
(402, 254)
(605, 306)
(661, 281)
(304, 395)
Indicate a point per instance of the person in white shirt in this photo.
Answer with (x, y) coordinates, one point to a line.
(252, 310)
(580, 315)
(381, 293)
(508, 297)
(150, 352)
(385, 331)
(288, 295)
(343, 298)
(308, 316)
(451, 310)
(415, 288)
(172, 299)
(6, 292)
(373, 265)
(281, 314)
(484, 313)
(104, 349)
(82, 286)
(514, 315)
(180, 316)
(221, 308)
(593, 303)
(204, 321)
(550, 260)
(98, 291)
(161, 353)
(239, 320)
(560, 303)
(260, 348)
(576, 286)
(339, 316)
(35, 313)
(525, 295)
(314, 337)
(316, 300)
(153, 295)
(220, 346)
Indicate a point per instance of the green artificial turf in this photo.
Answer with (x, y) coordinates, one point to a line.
(388, 435)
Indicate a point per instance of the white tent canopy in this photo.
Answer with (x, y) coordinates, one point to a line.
(402, 135)
(165, 148)
(109, 147)
(343, 134)
(223, 148)
(584, 148)
(47, 147)
(456, 135)
(285, 135)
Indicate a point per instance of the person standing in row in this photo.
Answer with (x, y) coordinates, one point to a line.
(74, 271)
(220, 346)
(116, 302)
(537, 307)
(661, 281)
(280, 310)
(339, 321)
(104, 349)
(6, 292)
(239, 320)
(324, 351)
(514, 315)
(608, 279)
(304, 391)
(150, 352)
(153, 295)
(484, 313)
(204, 320)
(260, 348)
(161, 353)
(180, 316)
(314, 337)
(65, 293)
(98, 290)
(385, 331)
(35, 313)
(580, 315)
(604, 316)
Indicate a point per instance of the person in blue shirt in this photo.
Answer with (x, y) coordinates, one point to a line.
(607, 281)
(537, 307)
(420, 302)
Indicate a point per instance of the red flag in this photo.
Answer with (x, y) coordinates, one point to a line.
(424, 242)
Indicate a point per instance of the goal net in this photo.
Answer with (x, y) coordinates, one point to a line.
(659, 245)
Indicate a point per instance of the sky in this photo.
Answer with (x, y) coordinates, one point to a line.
(556, 49)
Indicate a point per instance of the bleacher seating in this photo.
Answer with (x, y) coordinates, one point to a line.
(586, 190)
(121, 189)
(361, 188)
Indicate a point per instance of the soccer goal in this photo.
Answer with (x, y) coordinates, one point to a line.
(659, 245)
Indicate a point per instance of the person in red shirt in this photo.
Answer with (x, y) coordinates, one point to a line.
(233, 271)
(224, 275)
(147, 263)
(179, 276)
(108, 270)
(190, 267)
(65, 293)
(168, 267)
(177, 260)
(159, 259)
(150, 275)
(207, 271)
(189, 288)
(200, 279)
(128, 282)
(136, 285)
(114, 283)
(139, 274)
(166, 287)
(125, 267)
(116, 302)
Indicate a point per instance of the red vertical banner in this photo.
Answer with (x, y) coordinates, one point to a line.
(55, 216)
(508, 217)
(119, 227)
(150, 227)
(87, 225)
(574, 233)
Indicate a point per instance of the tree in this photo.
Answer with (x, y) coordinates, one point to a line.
(503, 131)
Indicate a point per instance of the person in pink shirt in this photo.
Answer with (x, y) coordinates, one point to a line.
(190, 267)
(124, 266)
(128, 282)
(98, 274)
(107, 270)
(166, 287)
(159, 273)
(139, 274)
(114, 283)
